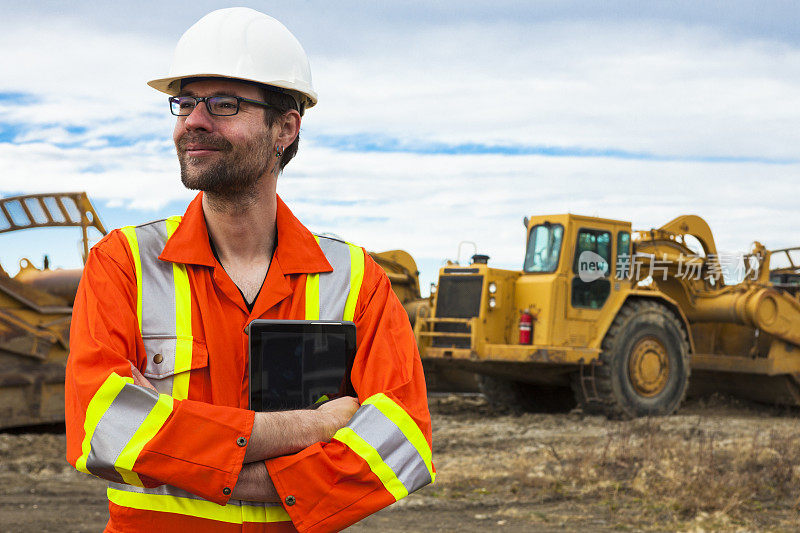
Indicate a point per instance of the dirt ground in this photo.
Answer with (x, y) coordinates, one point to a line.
(718, 465)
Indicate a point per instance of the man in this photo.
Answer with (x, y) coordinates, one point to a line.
(157, 384)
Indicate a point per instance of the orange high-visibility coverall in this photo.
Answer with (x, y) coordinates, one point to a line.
(198, 444)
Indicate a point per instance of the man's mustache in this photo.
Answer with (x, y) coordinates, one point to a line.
(206, 140)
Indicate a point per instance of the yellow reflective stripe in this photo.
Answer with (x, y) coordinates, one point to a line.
(183, 317)
(183, 331)
(255, 513)
(373, 459)
(356, 277)
(410, 429)
(233, 514)
(183, 360)
(129, 476)
(172, 224)
(312, 294)
(147, 430)
(183, 322)
(98, 406)
(130, 234)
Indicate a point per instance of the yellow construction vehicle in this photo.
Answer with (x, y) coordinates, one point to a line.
(402, 271)
(616, 320)
(35, 311)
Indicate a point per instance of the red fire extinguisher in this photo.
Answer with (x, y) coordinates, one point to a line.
(525, 327)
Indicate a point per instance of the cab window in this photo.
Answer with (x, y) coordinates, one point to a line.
(591, 265)
(624, 263)
(595, 241)
(544, 247)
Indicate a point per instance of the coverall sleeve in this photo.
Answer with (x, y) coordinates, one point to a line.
(127, 433)
(384, 452)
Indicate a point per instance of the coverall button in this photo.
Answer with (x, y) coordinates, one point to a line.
(226, 491)
(241, 441)
(290, 500)
(157, 358)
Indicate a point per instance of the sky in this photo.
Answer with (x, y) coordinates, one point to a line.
(437, 122)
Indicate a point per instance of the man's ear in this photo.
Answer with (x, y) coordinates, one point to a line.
(289, 128)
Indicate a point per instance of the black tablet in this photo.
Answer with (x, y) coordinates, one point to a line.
(295, 363)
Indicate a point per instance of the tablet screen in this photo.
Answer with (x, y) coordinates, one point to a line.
(294, 363)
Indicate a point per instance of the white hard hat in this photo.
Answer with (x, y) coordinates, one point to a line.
(241, 43)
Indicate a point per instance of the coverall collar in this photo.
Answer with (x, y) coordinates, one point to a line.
(296, 249)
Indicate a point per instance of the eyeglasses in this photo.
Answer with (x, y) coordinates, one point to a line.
(223, 106)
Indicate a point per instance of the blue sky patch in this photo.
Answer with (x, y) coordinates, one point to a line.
(363, 142)
(338, 202)
(94, 169)
(76, 130)
(13, 97)
(9, 132)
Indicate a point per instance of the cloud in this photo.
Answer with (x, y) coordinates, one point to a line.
(635, 87)
(434, 201)
(442, 122)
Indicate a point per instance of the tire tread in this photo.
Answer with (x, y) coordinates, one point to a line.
(609, 404)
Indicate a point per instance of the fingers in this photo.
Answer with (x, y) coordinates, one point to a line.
(140, 380)
(336, 414)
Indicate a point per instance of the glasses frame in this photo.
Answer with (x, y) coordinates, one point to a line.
(205, 99)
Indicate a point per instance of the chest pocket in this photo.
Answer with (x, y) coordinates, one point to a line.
(164, 374)
(164, 310)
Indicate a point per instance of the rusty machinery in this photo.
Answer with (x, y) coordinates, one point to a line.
(402, 271)
(612, 319)
(35, 311)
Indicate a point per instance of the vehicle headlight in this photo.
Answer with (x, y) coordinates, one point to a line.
(492, 287)
(492, 303)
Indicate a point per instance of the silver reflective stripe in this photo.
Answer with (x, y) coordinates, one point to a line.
(161, 490)
(169, 490)
(397, 452)
(158, 285)
(334, 287)
(158, 305)
(116, 428)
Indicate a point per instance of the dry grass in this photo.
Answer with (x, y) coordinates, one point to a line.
(673, 473)
(676, 479)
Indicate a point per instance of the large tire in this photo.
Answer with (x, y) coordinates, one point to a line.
(517, 397)
(644, 368)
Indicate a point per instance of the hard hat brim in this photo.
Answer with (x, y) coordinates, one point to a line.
(172, 86)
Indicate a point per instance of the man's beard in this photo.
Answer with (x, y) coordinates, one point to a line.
(233, 176)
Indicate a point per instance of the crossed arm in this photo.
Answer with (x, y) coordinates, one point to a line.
(280, 433)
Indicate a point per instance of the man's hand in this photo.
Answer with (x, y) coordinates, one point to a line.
(139, 379)
(335, 414)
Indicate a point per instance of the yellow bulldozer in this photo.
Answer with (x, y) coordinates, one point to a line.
(35, 311)
(619, 322)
